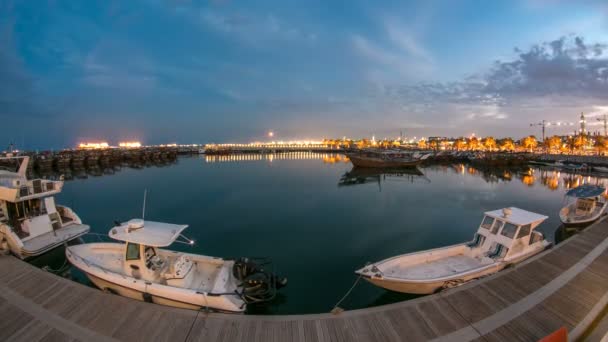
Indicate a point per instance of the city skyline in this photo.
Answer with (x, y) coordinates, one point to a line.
(213, 71)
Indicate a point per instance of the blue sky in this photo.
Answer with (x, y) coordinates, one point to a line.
(213, 71)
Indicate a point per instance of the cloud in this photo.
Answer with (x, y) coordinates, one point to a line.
(115, 65)
(402, 55)
(563, 67)
(253, 27)
(16, 84)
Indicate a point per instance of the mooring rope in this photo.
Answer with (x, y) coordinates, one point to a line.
(60, 270)
(337, 308)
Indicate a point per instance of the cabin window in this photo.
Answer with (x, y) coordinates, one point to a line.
(524, 231)
(132, 251)
(509, 230)
(497, 225)
(487, 222)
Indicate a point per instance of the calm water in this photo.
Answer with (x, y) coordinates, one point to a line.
(316, 225)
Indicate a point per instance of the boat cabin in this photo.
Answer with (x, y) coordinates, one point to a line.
(142, 259)
(507, 232)
(28, 206)
(586, 202)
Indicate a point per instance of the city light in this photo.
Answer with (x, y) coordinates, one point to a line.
(130, 144)
(93, 146)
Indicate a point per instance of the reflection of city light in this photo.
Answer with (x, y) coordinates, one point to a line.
(93, 146)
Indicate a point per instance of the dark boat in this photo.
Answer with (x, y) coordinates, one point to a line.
(385, 159)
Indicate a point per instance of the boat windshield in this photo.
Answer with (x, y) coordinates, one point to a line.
(509, 230)
(497, 225)
(524, 231)
(487, 222)
(132, 251)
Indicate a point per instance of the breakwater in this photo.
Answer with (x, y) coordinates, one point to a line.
(591, 160)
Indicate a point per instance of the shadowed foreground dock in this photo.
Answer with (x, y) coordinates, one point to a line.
(566, 286)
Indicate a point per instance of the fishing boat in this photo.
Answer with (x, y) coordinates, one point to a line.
(586, 203)
(504, 237)
(138, 268)
(385, 159)
(31, 223)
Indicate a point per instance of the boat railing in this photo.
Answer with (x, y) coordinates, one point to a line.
(38, 186)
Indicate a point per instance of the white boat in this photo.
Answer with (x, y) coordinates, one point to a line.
(600, 169)
(139, 269)
(30, 222)
(505, 237)
(586, 203)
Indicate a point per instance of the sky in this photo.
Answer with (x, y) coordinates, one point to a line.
(163, 71)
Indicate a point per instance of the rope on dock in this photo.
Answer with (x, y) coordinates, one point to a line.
(337, 309)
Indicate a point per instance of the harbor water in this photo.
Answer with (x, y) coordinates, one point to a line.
(317, 219)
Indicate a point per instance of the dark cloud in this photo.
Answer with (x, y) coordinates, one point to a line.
(566, 66)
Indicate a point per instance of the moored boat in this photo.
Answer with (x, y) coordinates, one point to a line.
(140, 269)
(31, 223)
(504, 237)
(385, 159)
(586, 204)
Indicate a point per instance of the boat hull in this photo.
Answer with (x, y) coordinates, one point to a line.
(431, 286)
(359, 161)
(29, 250)
(113, 288)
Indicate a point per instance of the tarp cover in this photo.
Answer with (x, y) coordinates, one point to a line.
(586, 191)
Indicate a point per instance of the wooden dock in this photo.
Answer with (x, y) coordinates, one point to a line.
(566, 286)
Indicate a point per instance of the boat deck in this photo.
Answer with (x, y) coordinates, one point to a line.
(443, 267)
(566, 286)
(54, 238)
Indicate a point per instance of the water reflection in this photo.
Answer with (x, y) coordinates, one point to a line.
(328, 158)
(529, 176)
(357, 176)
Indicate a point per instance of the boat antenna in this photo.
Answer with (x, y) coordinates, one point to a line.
(143, 210)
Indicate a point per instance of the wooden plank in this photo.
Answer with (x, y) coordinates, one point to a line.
(12, 320)
(410, 324)
(440, 316)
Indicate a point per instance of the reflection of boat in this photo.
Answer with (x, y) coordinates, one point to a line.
(504, 237)
(385, 159)
(140, 270)
(564, 232)
(588, 205)
(30, 222)
(376, 175)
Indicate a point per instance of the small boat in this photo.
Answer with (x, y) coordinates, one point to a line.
(385, 159)
(504, 237)
(587, 203)
(31, 223)
(602, 169)
(139, 269)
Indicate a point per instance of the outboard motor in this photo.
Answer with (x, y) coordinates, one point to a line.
(258, 284)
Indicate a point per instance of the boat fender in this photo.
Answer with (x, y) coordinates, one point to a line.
(147, 297)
